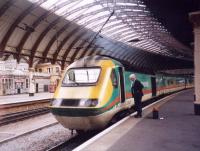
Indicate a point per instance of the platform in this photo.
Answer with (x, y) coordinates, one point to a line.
(24, 98)
(177, 130)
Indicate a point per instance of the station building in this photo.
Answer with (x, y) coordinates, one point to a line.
(53, 70)
(14, 78)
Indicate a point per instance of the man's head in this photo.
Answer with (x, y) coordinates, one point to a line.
(132, 77)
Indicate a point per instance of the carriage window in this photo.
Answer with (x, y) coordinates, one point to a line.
(81, 76)
(114, 78)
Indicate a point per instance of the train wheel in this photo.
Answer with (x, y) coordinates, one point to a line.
(112, 121)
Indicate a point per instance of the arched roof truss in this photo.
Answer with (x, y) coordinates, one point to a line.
(65, 30)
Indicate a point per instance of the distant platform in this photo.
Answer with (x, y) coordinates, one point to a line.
(178, 129)
(8, 99)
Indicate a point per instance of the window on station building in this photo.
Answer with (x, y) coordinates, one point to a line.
(12, 85)
(40, 70)
(57, 69)
(3, 84)
(26, 83)
(48, 70)
(22, 85)
(9, 84)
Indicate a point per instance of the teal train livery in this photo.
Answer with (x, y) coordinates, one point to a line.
(95, 89)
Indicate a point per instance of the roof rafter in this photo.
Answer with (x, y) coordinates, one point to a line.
(17, 21)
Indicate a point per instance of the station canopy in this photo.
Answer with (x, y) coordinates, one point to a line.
(62, 31)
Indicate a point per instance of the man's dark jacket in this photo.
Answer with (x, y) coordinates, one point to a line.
(136, 88)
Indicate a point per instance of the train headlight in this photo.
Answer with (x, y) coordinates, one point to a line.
(88, 102)
(91, 102)
(56, 102)
(82, 102)
(94, 102)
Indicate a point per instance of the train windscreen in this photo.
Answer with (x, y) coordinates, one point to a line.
(81, 76)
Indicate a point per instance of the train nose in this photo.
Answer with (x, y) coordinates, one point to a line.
(83, 123)
(57, 102)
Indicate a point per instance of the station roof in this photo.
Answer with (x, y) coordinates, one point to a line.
(140, 33)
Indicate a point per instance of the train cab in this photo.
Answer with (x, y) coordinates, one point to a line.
(90, 93)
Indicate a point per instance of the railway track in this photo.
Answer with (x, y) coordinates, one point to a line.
(74, 141)
(19, 111)
(14, 117)
(27, 133)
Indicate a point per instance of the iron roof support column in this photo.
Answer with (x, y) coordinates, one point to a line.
(195, 19)
(31, 82)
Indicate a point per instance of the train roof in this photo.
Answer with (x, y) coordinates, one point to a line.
(92, 61)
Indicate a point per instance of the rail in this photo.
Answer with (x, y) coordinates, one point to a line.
(18, 111)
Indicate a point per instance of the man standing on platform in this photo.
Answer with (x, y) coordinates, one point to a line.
(136, 89)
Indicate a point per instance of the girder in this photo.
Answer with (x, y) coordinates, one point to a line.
(17, 21)
(36, 23)
(5, 7)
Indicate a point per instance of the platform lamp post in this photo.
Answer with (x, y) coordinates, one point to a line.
(195, 19)
(31, 82)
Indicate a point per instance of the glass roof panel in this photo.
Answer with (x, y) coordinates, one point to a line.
(83, 3)
(66, 8)
(101, 14)
(35, 1)
(93, 8)
(126, 4)
(48, 4)
(118, 31)
(92, 20)
(116, 27)
(76, 14)
(114, 21)
(130, 36)
(131, 17)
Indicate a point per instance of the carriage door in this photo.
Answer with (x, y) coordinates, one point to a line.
(153, 85)
(36, 88)
(121, 84)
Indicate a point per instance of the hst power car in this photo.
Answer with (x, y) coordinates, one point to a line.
(94, 89)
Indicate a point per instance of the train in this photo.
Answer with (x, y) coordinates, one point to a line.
(95, 89)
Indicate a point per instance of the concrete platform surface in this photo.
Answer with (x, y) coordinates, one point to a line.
(177, 130)
(24, 97)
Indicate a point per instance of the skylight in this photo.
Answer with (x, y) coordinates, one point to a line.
(130, 19)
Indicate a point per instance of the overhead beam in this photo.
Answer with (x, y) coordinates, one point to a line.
(36, 23)
(17, 21)
(5, 7)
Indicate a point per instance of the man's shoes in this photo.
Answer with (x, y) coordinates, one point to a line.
(137, 116)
